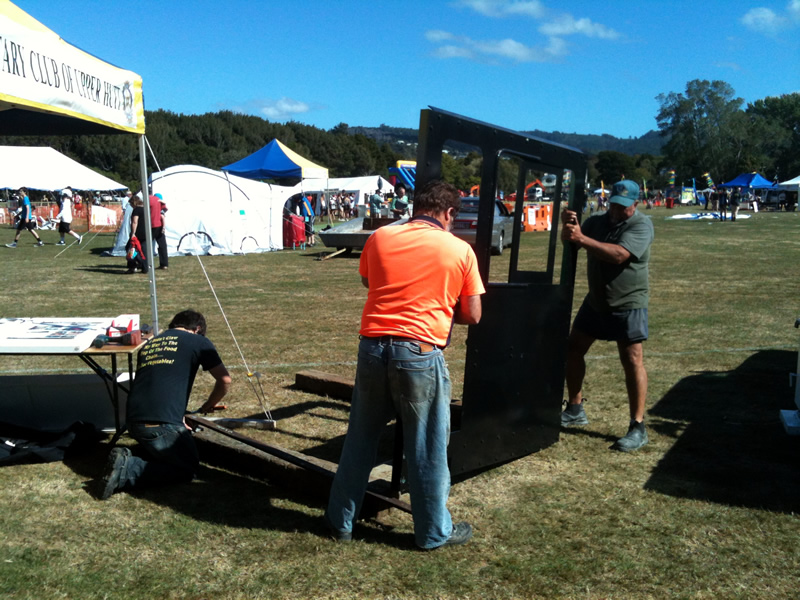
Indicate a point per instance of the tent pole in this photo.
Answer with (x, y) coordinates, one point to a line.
(151, 272)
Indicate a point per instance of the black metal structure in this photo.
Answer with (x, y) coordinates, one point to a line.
(514, 374)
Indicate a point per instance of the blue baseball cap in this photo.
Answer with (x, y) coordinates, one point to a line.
(624, 192)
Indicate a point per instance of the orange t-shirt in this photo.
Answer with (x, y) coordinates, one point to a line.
(416, 272)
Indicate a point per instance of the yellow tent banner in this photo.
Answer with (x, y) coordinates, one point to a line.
(41, 72)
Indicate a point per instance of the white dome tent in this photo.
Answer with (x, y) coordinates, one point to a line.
(213, 212)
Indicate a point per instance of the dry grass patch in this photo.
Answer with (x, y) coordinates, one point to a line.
(707, 510)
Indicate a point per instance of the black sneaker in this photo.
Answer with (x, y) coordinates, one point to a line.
(634, 439)
(461, 534)
(574, 414)
(115, 467)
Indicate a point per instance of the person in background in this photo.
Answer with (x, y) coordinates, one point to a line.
(156, 405)
(347, 206)
(64, 218)
(375, 204)
(617, 245)
(735, 201)
(307, 212)
(399, 204)
(724, 195)
(421, 279)
(26, 220)
(137, 238)
(158, 211)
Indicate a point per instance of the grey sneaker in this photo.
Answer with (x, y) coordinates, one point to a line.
(634, 439)
(80, 240)
(61, 243)
(115, 469)
(461, 534)
(574, 415)
(11, 245)
(40, 243)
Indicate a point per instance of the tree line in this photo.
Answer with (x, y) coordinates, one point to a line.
(705, 129)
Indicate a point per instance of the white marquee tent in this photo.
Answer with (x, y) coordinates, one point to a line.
(792, 184)
(46, 169)
(212, 212)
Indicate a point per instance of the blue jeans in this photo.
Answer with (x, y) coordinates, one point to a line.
(396, 378)
(173, 456)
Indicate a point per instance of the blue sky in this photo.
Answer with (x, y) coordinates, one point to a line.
(573, 66)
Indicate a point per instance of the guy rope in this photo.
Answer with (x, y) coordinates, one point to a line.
(259, 390)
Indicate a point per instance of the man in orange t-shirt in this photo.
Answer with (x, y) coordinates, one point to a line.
(421, 279)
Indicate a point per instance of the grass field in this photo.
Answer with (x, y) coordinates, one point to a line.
(709, 509)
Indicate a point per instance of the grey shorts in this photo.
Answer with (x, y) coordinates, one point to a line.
(617, 326)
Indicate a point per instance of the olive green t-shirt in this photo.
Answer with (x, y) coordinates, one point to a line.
(625, 286)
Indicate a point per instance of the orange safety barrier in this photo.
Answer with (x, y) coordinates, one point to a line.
(538, 217)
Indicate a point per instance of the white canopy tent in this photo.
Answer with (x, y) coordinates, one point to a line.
(791, 185)
(212, 212)
(46, 169)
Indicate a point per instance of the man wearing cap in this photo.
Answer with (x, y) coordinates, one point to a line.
(421, 279)
(617, 245)
(64, 218)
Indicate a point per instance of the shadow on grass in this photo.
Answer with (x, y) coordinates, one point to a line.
(222, 498)
(734, 449)
(582, 431)
(108, 270)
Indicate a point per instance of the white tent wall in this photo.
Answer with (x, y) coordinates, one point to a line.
(211, 212)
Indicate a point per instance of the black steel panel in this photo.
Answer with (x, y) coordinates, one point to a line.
(514, 374)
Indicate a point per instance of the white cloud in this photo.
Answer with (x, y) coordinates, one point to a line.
(453, 52)
(763, 20)
(508, 49)
(569, 25)
(767, 21)
(283, 109)
(504, 8)
(728, 65)
(437, 35)
(554, 26)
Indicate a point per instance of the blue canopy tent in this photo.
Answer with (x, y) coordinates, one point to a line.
(276, 161)
(749, 180)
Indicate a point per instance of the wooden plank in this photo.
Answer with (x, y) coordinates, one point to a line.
(332, 254)
(298, 459)
(325, 384)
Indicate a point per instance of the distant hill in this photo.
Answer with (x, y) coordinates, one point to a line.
(400, 138)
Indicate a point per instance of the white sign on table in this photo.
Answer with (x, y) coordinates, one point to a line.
(49, 335)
